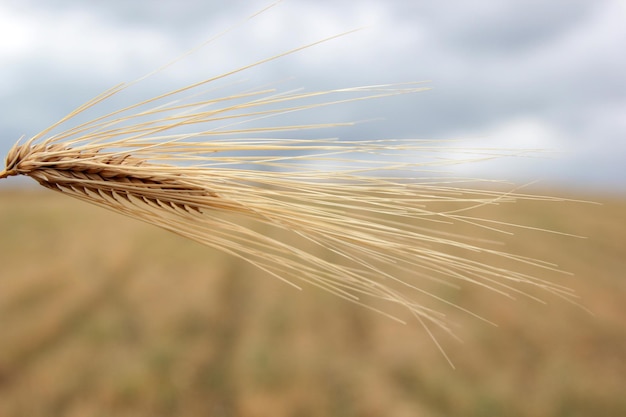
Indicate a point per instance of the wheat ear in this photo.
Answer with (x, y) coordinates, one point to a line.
(346, 216)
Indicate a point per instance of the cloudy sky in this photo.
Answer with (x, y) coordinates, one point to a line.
(514, 74)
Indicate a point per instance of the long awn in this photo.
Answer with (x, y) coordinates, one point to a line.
(349, 216)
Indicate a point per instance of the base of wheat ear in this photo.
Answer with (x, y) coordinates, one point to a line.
(355, 218)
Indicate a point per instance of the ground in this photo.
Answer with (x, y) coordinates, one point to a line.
(105, 316)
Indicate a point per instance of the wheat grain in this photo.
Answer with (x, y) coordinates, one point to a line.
(353, 229)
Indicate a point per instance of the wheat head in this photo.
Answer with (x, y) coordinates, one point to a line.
(350, 217)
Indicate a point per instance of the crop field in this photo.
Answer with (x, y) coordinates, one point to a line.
(101, 315)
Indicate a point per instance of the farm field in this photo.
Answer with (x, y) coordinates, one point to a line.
(101, 315)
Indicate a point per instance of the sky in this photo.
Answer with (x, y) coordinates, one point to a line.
(517, 74)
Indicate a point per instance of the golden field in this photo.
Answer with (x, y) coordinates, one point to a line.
(105, 316)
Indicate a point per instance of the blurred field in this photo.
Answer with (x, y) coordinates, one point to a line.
(105, 316)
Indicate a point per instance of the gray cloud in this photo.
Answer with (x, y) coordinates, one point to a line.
(499, 69)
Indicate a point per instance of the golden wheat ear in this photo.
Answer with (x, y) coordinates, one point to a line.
(358, 218)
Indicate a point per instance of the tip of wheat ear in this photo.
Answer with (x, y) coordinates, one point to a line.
(92, 172)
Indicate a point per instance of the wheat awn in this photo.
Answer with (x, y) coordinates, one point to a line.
(179, 159)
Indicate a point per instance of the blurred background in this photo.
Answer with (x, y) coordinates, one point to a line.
(105, 316)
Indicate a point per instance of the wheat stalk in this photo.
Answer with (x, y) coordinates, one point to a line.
(197, 166)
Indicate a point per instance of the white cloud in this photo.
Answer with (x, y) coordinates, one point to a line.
(525, 133)
(514, 149)
(74, 40)
(17, 31)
